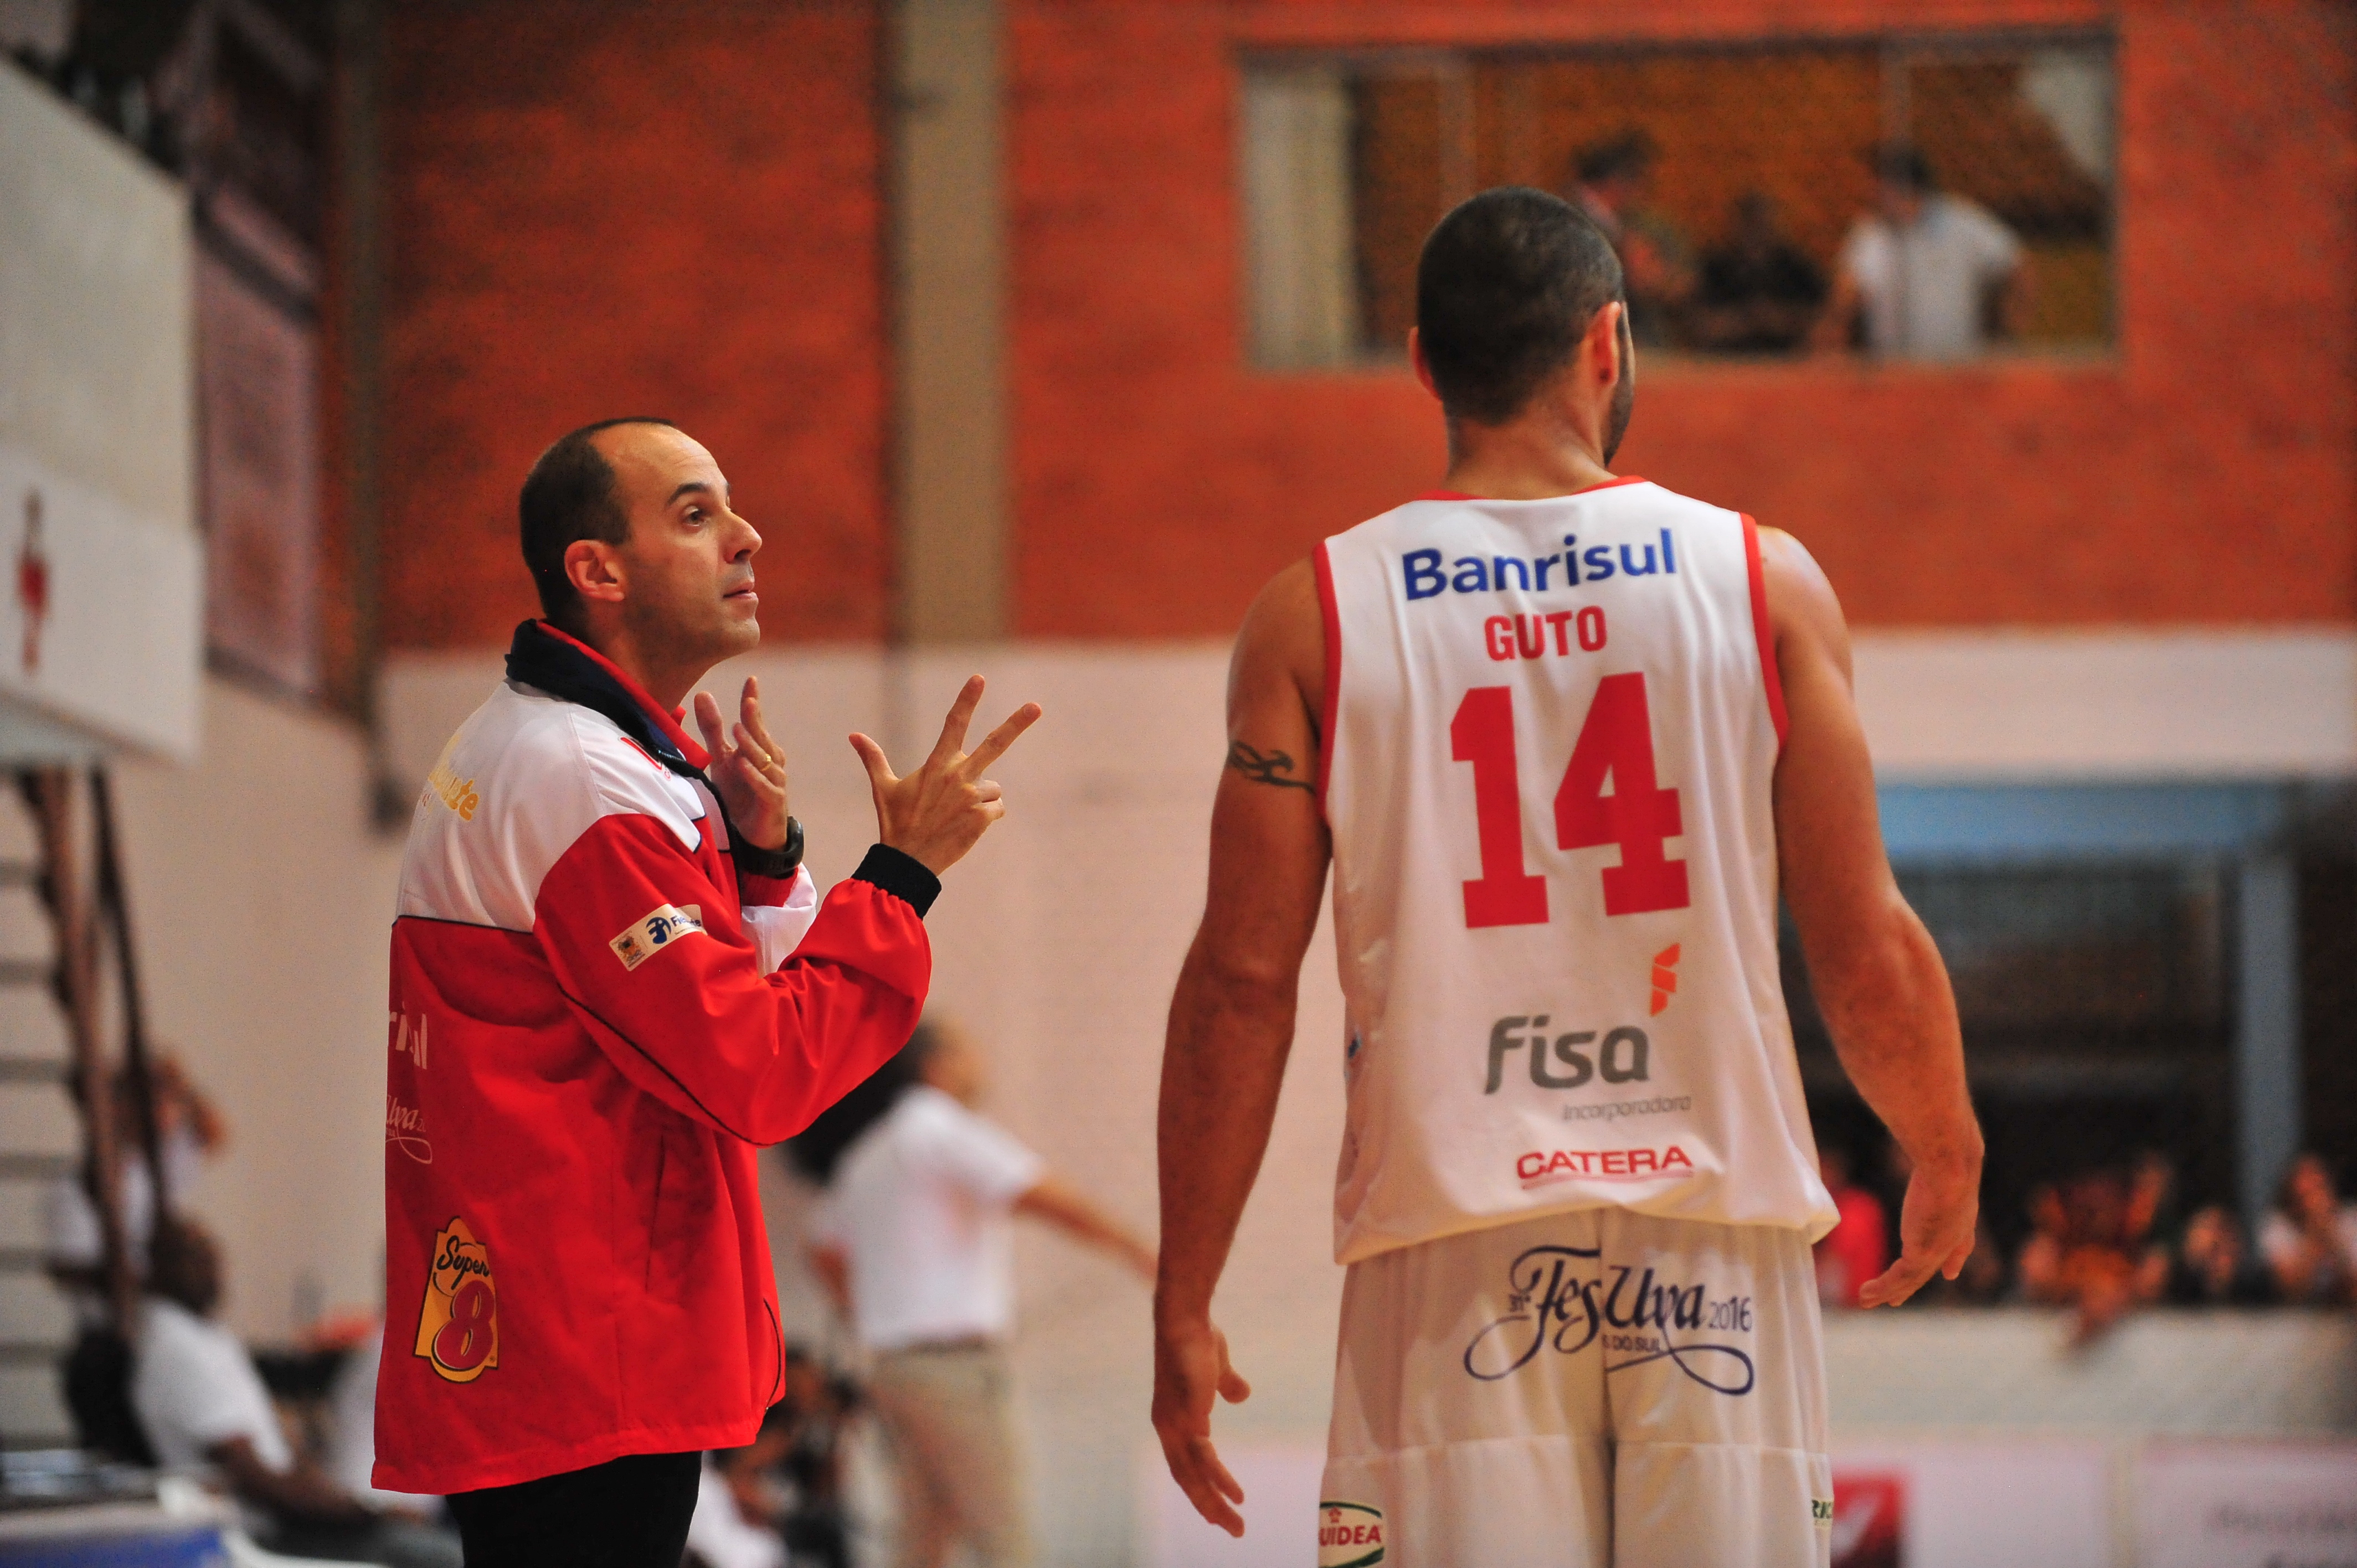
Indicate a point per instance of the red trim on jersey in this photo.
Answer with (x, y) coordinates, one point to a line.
(1761, 627)
(668, 720)
(1461, 495)
(1331, 707)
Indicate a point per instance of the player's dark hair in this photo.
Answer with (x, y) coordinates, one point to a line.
(570, 494)
(1505, 290)
(1903, 163)
(819, 1148)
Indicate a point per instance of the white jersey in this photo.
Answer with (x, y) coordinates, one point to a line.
(1551, 730)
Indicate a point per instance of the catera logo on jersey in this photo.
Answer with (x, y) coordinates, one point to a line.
(655, 930)
(458, 1326)
(1350, 1535)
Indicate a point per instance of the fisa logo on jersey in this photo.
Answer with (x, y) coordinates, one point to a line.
(1426, 578)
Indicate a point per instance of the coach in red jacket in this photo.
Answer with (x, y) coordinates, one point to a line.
(612, 981)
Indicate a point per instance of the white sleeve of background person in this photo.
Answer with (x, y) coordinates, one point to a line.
(971, 1151)
(1995, 251)
(2278, 1239)
(1604, 1024)
(1865, 257)
(194, 1387)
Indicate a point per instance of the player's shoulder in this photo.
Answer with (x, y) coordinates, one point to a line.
(1648, 496)
(537, 763)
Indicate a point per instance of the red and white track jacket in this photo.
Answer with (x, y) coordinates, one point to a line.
(595, 1021)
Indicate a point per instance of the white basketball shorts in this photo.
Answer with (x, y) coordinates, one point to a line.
(1597, 1389)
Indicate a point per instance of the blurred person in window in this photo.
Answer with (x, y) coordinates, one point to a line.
(915, 1246)
(2309, 1242)
(97, 1372)
(2213, 1268)
(1857, 1248)
(1612, 178)
(1758, 292)
(2085, 1254)
(202, 1403)
(1924, 275)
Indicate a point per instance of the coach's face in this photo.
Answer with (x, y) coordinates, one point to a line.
(687, 565)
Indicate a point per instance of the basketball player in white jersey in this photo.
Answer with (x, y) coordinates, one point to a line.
(1566, 737)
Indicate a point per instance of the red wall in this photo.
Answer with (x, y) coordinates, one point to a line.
(2205, 472)
(604, 208)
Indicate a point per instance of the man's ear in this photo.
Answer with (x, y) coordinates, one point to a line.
(1417, 361)
(1602, 346)
(595, 569)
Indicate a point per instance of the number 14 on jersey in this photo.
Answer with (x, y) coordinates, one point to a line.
(1616, 742)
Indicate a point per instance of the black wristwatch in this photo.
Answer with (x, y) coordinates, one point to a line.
(780, 863)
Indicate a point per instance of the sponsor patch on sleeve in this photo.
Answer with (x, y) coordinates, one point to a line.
(1350, 1535)
(655, 930)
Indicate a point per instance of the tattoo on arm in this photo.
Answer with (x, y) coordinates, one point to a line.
(1266, 766)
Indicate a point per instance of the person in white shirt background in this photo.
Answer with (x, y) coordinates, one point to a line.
(2310, 1240)
(203, 1405)
(190, 1130)
(1927, 271)
(915, 1244)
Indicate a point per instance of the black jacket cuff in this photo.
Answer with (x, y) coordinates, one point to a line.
(899, 874)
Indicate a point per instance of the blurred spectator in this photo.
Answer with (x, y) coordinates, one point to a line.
(772, 1486)
(1760, 293)
(1858, 1246)
(732, 1526)
(350, 1457)
(815, 1520)
(188, 1129)
(1613, 180)
(2212, 1267)
(201, 1403)
(2309, 1242)
(2085, 1254)
(1927, 271)
(97, 1371)
(915, 1246)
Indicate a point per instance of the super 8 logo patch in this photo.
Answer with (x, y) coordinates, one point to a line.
(1350, 1535)
(458, 1325)
(655, 930)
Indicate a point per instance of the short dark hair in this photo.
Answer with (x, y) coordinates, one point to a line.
(819, 1148)
(569, 495)
(1627, 152)
(1903, 163)
(1506, 286)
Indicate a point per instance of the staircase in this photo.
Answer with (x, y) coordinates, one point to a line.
(62, 916)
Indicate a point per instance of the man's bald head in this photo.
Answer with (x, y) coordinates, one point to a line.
(572, 494)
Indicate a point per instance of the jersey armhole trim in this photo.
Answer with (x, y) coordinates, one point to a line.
(1762, 629)
(1330, 707)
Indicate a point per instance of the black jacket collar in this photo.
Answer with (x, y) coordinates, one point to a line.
(553, 662)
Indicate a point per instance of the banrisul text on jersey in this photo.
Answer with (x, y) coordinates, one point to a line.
(1551, 730)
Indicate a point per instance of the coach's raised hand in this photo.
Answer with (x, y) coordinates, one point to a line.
(935, 814)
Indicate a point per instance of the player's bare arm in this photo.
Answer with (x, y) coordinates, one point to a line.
(1232, 1018)
(1878, 976)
